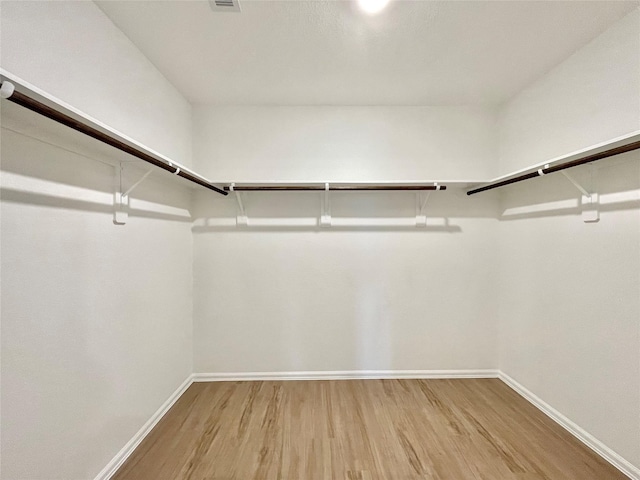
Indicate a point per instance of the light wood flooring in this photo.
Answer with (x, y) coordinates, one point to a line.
(360, 429)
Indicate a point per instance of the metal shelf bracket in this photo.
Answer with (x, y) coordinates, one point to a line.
(589, 200)
(135, 185)
(325, 208)
(121, 199)
(241, 217)
(421, 206)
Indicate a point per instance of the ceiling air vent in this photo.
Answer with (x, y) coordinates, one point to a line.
(225, 5)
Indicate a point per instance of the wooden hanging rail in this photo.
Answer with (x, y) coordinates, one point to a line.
(563, 166)
(280, 188)
(9, 92)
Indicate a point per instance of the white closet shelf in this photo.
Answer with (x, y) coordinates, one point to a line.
(32, 98)
(410, 185)
(599, 151)
(81, 122)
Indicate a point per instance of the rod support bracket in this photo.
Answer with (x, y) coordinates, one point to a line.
(590, 210)
(421, 205)
(121, 196)
(325, 207)
(241, 216)
(120, 201)
(575, 183)
(138, 183)
(589, 199)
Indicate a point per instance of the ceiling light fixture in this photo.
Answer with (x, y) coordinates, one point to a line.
(372, 6)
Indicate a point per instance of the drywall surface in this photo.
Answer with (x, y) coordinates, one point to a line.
(372, 292)
(342, 144)
(96, 328)
(589, 98)
(569, 291)
(569, 297)
(73, 51)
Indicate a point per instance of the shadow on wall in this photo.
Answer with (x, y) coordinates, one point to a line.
(17, 196)
(60, 173)
(615, 180)
(352, 211)
(334, 228)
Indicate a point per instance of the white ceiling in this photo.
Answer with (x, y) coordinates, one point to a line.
(329, 53)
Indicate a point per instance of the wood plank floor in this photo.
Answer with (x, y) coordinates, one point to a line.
(360, 429)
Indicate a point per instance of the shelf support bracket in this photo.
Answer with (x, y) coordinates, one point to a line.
(325, 208)
(120, 201)
(135, 185)
(241, 217)
(576, 184)
(421, 206)
(588, 201)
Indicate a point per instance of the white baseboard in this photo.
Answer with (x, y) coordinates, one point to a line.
(585, 437)
(111, 468)
(344, 375)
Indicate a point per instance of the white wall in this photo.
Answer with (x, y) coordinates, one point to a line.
(103, 74)
(96, 318)
(96, 326)
(346, 298)
(569, 299)
(284, 295)
(569, 291)
(591, 97)
(341, 144)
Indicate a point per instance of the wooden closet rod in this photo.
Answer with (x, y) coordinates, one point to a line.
(271, 188)
(42, 109)
(556, 168)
